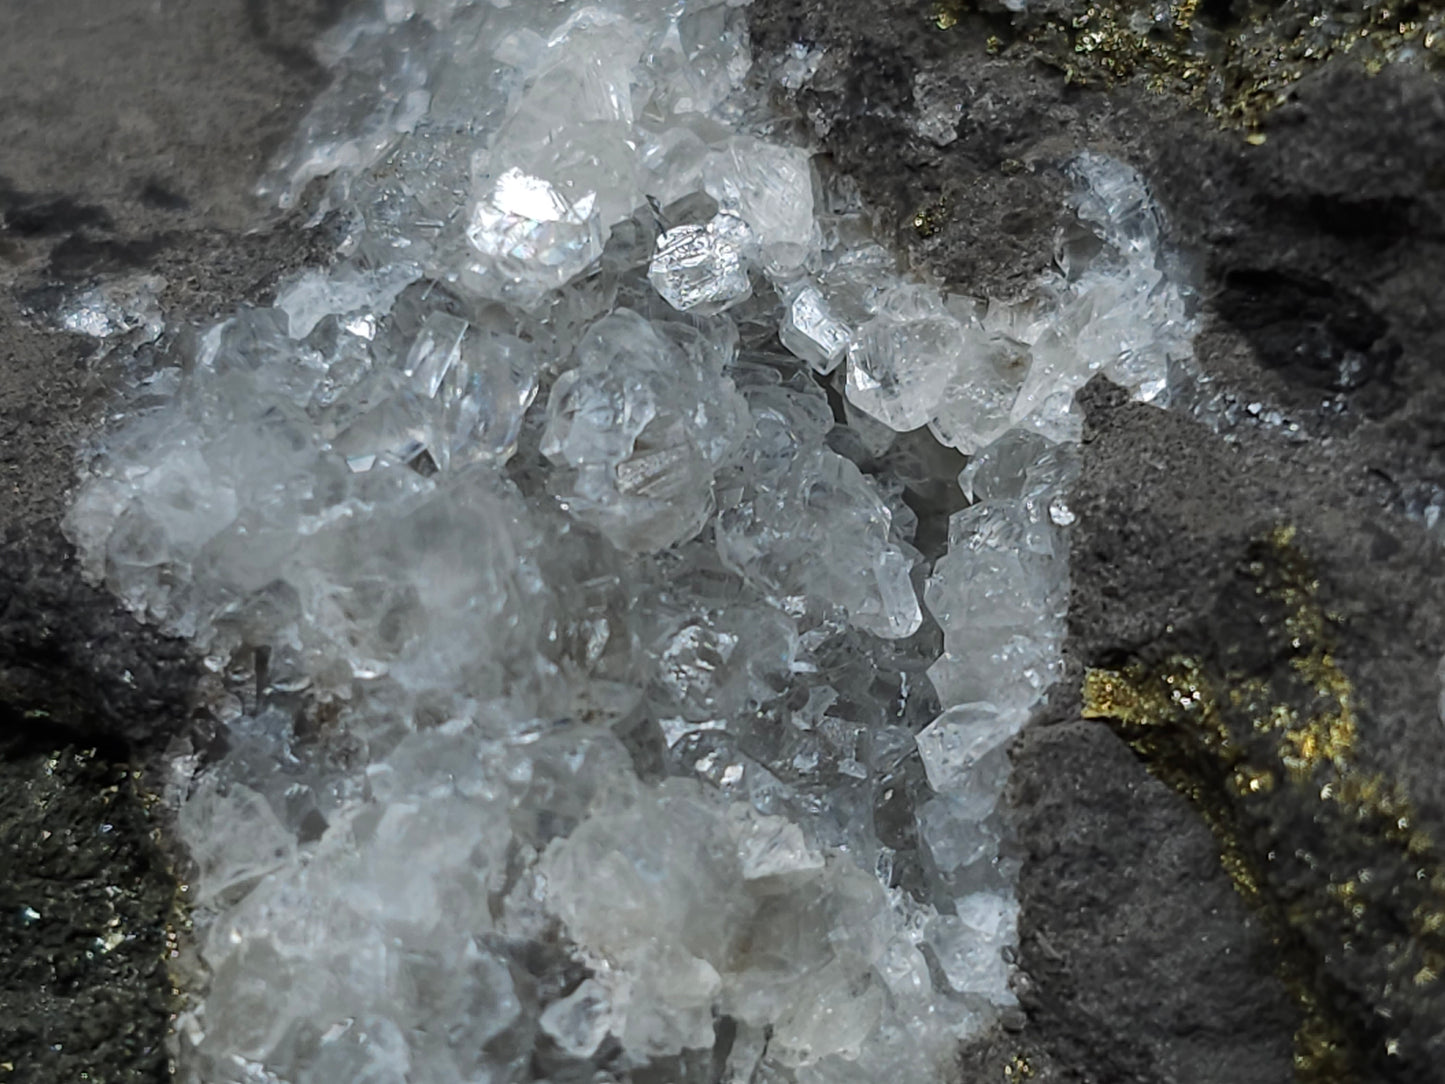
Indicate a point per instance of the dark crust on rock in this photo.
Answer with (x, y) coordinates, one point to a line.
(85, 901)
(991, 201)
(1161, 572)
(1116, 986)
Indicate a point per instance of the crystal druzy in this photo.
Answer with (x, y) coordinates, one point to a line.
(592, 699)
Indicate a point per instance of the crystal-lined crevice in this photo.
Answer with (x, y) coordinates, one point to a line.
(588, 698)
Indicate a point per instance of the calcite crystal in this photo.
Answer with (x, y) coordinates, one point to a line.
(589, 704)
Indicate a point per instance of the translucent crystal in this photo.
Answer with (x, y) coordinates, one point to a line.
(116, 308)
(904, 358)
(702, 269)
(770, 188)
(971, 944)
(395, 432)
(434, 351)
(977, 406)
(314, 295)
(378, 92)
(953, 744)
(812, 332)
(771, 846)
(804, 515)
(639, 451)
(580, 1021)
(716, 664)
(1005, 567)
(234, 836)
(483, 398)
(955, 830)
(555, 732)
(532, 235)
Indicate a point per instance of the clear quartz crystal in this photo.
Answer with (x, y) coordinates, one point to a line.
(565, 623)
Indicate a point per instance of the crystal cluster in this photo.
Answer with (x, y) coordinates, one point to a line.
(592, 705)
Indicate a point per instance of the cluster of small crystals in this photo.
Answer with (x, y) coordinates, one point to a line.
(592, 709)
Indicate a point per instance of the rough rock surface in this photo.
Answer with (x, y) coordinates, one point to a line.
(1117, 986)
(132, 133)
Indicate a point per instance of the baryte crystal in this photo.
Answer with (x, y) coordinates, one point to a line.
(714, 664)
(812, 332)
(953, 828)
(771, 846)
(563, 736)
(483, 398)
(903, 359)
(702, 269)
(770, 188)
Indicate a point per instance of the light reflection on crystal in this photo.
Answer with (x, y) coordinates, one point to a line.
(702, 269)
(570, 514)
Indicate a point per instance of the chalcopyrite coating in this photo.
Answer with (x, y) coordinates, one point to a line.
(589, 702)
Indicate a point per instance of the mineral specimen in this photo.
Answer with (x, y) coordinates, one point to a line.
(555, 557)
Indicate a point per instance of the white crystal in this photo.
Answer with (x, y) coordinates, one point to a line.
(580, 1021)
(234, 837)
(770, 188)
(938, 111)
(116, 308)
(702, 269)
(971, 944)
(904, 358)
(771, 846)
(640, 447)
(812, 333)
(954, 743)
(977, 407)
(534, 238)
(314, 295)
(689, 561)
(434, 351)
(807, 521)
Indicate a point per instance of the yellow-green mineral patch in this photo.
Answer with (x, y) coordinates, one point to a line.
(1236, 60)
(1276, 766)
